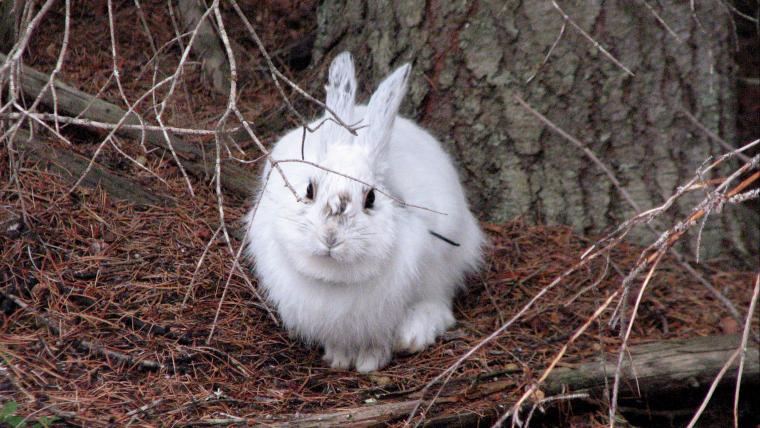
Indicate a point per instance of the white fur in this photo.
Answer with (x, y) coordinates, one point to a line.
(389, 284)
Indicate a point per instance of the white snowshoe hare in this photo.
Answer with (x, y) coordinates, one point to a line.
(349, 267)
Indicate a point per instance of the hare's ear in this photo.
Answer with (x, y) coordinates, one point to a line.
(383, 108)
(341, 92)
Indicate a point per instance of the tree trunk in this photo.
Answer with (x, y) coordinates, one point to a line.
(10, 15)
(206, 47)
(471, 58)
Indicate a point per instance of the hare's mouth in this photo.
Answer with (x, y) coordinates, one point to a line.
(327, 254)
(332, 250)
(324, 254)
(338, 265)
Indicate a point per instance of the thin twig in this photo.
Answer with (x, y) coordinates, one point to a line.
(743, 346)
(549, 53)
(532, 389)
(591, 39)
(626, 336)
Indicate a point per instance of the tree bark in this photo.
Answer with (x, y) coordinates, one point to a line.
(10, 14)
(206, 47)
(471, 58)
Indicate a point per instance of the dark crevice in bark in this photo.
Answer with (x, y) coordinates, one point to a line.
(441, 52)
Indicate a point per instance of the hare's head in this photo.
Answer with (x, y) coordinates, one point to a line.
(350, 224)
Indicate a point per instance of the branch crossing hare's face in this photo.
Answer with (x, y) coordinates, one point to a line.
(343, 223)
(346, 219)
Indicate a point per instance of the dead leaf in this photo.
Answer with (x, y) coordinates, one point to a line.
(380, 380)
(491, 227)
(52, 50)
(538, 395)
(729, 325)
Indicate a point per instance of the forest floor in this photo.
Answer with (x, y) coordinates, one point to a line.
(115, 302)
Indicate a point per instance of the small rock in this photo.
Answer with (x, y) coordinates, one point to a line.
(96, 247)
(14, 228)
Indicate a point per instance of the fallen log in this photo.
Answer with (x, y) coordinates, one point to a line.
(72, 102)
(653, 369)
(659, 368)
(70, 166)
(376, 415)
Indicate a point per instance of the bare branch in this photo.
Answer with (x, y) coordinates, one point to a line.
(591, 39)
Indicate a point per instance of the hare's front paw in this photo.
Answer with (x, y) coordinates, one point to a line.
(372, 360)
(365, 361)
(336, 357)
(424, 322)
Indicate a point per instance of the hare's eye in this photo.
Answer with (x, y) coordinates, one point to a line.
(310, 191)
(369, 199)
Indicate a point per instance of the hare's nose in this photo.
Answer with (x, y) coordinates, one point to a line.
(331, 239)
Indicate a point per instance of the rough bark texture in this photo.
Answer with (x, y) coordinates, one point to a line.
(207, 47)
(10, 13)
(471, 57)
(6, 26)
